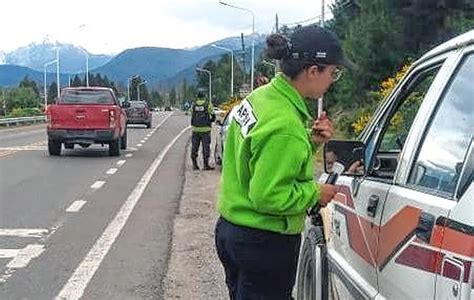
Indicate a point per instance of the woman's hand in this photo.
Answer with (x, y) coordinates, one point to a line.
(328, 191)
(322, 129)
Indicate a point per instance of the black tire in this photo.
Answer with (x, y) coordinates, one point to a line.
(69, 145)
(148, 125)
(313, 261)
(123, 141)
(114, 147)
(217, 159)
(54, 147)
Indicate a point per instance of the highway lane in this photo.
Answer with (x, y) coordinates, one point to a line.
(63, 208)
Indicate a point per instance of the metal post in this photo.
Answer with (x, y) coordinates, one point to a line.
(4, 103)
(45, 89)
(87, 69)
(57, 72)
(253, 39)
(322, 13)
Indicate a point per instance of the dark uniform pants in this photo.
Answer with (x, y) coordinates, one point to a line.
(258, 264)
(196, 139)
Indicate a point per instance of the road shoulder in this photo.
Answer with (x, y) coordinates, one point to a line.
(194, 270)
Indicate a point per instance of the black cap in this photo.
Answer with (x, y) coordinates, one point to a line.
(318, 45)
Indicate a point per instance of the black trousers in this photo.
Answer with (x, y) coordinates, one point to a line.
(258, 264)
(198, 138)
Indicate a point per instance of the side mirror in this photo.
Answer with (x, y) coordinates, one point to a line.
(348, 153)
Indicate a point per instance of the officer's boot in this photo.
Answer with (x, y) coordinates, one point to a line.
(195, 164)
(207, 166)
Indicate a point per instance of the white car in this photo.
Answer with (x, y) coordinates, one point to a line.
(223, 126)
(404, 227)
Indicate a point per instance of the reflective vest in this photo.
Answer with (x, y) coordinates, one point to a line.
(201, 116)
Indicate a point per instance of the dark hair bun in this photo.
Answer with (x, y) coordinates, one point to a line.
(277, 46)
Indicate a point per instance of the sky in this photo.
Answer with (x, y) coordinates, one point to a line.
(109, 27)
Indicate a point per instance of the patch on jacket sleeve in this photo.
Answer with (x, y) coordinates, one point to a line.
(245, 117)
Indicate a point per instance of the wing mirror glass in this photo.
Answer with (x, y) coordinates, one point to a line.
(348, 153)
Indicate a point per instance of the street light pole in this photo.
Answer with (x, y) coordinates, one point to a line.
(272, 65)
(57, 72)
(231, 67)
(253, 38)
(44, 81)
(210, 81)
(87, 65)
(138, 88)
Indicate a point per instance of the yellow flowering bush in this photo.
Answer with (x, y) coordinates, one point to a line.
(227, 106)
(386, 87)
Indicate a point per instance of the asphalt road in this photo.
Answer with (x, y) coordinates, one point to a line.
(86, 225)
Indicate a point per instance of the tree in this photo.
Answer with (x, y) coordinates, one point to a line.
(27, 83)
(172, 97)
(76, 81)
(52, 92)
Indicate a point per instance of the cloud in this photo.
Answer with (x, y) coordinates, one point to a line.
(112, 26)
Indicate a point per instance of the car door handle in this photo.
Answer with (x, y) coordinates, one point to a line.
(372, 207)
(425, 227)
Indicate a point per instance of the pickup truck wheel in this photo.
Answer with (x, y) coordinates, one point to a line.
(148, 125)
(114, 147)
(123, 140)
(69, 145)
(217, 158)
(313, 278)
(54, 147)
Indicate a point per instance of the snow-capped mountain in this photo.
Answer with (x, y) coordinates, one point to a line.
(35, 55)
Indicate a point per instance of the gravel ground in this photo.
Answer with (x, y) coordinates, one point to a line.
(194, 270)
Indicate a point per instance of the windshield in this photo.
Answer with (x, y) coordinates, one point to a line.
(87, 96)
(137, 104)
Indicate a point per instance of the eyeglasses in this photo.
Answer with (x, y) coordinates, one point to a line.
(336, 72)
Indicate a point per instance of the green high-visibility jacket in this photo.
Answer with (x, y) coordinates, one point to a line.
(267, 177)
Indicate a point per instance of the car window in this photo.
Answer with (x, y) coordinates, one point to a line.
(87, 96)
(442, 153)
(137, 104)
(398, 122)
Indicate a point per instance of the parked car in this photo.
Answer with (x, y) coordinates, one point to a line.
(168, 108)
(84, 116)
(139, 112)
(404, 227)
(223, 126)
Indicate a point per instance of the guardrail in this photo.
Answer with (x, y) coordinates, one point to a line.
(23, 120)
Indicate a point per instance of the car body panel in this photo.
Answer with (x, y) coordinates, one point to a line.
(419, 244)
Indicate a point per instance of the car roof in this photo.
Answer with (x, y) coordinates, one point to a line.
(459, 41)
(88, 88)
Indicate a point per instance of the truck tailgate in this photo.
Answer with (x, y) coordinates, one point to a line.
(80, 116)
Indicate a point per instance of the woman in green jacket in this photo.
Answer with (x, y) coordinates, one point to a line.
(267, 182)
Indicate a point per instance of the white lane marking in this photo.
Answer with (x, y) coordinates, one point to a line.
(128, 155)
(121, 162)
(25, 255)
(149, 135)
(78, 282)
(111, 171)
(131, 149)
(8, 253)
(76, 206)
(145, 139)
(142, 141)
(24, 148)
(139, 145)
(35, 233)
(97, 185)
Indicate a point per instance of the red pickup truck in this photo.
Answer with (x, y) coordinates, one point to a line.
(84, 116)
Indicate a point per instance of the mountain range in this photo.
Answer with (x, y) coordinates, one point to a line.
(162, 66)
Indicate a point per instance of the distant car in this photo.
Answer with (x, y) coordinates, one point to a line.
(139, 113)
(168, 108)
(220, 138)
(84, 116)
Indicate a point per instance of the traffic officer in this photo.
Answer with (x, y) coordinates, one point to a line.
(202, 116)
(267, 183)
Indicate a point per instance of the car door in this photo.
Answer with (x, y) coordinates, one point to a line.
(356, 248)
(419, 203)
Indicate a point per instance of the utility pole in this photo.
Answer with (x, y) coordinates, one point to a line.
(322, 13)
(276, 23)
(4, 103)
